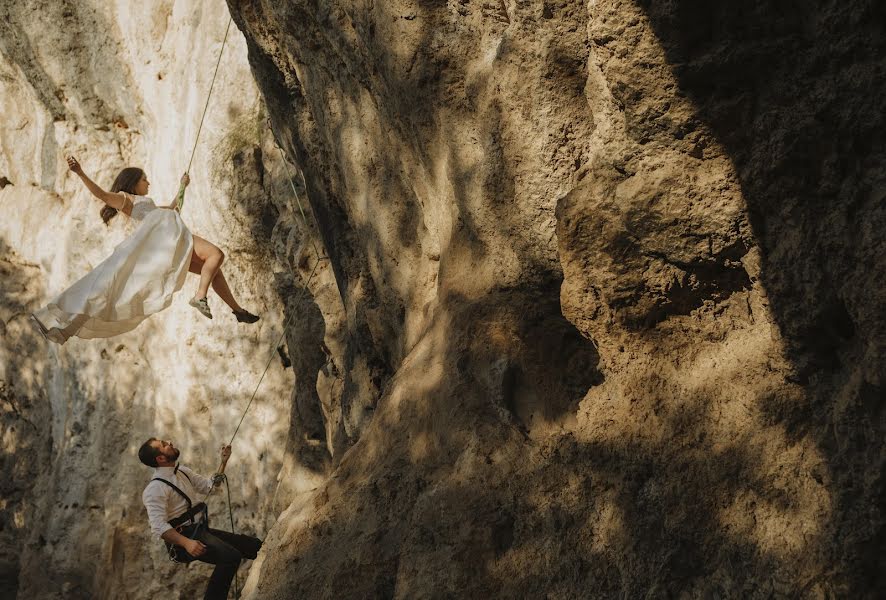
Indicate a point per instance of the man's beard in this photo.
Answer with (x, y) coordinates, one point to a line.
(175, 454)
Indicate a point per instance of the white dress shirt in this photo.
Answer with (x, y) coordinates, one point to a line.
(164, 503)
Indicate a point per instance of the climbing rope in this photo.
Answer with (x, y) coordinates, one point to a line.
(237, 589)
(273, 351)
(303, 290)
(180, 198)
(246, 410)
(304, 219)
(319, 257)
(297, 200)
(222, 476)
(209, 95)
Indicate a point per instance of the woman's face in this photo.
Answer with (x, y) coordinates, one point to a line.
(141, 188)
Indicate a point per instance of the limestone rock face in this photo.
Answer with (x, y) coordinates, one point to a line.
(587, 301)
(121, 84)
(613, 281)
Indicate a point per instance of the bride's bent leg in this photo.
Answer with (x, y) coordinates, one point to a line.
(196, 264)
(220, 285)
(212, 258)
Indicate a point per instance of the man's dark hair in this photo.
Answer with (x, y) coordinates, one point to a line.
(148, 453)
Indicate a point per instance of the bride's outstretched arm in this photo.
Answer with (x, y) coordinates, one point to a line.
(114, 200)
(180, 196)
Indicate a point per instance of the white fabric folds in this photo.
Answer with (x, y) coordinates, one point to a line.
(136, 281)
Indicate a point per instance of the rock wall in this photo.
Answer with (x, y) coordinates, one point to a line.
(116, 85)
(593, 298)
(615, 269)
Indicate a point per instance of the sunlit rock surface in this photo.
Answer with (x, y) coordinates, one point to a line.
(117, 85)
(598, 311)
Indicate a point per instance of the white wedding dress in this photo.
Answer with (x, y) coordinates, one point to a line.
(136, 281)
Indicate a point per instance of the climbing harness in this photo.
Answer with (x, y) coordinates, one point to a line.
(186, 523)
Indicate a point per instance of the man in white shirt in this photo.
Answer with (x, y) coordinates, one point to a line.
(177, 498)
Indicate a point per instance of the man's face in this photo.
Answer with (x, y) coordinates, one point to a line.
(165, 449)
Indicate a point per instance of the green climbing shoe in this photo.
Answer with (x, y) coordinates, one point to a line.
(202, 305)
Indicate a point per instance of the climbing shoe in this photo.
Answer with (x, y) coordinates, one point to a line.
(244, 316)
(202, 305)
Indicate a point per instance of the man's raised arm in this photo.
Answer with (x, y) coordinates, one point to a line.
(204, 485)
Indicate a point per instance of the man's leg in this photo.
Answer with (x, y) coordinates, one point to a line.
(246, 544)
(226, 559)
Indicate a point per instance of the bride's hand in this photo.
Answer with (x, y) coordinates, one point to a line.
(74, 165)
(186, 179)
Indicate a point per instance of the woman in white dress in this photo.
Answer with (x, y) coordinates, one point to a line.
(144, 271)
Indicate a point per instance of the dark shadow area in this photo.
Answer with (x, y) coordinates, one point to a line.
(307, 433)
(424, 501)
(282, 96)
(302, 132)
(794, 90)
(262, 216)
(533, 362)
(24, 414)
(694, 280)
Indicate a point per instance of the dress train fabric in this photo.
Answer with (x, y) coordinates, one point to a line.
(136, 281)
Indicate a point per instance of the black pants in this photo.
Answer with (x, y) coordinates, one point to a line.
(225, 550)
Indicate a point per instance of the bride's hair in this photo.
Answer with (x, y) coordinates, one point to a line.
(125, 182)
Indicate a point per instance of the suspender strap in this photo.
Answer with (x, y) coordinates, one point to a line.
(193, 509)
(175, 487)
